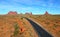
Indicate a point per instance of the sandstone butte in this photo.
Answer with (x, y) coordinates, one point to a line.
(46, 13)
(12, 12)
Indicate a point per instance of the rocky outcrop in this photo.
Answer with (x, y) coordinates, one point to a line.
(29, 13)
(46, 13)
(12, 12)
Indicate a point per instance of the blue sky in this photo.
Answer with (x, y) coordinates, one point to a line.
(34, 6)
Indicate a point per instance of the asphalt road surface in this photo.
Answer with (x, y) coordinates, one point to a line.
(41, 32)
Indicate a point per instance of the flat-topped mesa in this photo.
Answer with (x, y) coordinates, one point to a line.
(12, 13)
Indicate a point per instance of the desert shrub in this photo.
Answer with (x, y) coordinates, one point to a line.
(56, 22)
(55, 25)
(16, 29)
(59, 32)
(47, 23)
(21, 17)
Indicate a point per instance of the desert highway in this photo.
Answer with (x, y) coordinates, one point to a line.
(41, 32)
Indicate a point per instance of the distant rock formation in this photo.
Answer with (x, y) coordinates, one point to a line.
(29, 13)
(12, 12)
(46, 13)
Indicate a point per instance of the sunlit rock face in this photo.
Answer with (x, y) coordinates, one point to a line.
(12, 12)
